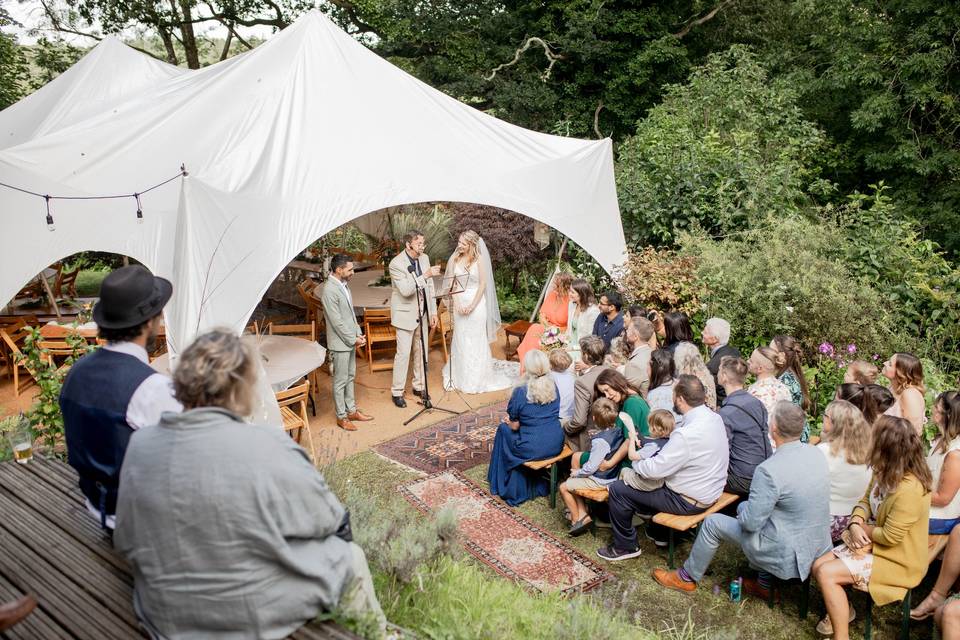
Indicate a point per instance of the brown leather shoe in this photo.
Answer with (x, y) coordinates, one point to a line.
(13, 612)
(754, 589)
(672, 580)
(360, 416)
(346, 425)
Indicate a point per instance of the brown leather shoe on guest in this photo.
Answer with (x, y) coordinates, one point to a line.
(13, 612)
(754, 589)
(672, 580)
(359, 416)
(346, 425)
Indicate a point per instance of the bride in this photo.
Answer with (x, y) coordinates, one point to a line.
(476, 319)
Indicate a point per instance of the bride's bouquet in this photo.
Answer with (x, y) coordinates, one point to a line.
(553, 338)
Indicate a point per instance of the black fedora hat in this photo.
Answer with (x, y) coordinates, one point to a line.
(129, 297)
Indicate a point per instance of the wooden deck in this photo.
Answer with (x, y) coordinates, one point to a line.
(50, 546)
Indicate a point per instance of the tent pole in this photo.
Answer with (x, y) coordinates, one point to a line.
(546, 285)
(53, 300)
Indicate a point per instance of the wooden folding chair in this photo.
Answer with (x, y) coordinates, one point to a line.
(253, 328)
(293, 410)
(55, 349)
(66, 283)
(312, 303)
(307, 332)
(15, 328)
(377, 327)
(18, 362)
(439, 332)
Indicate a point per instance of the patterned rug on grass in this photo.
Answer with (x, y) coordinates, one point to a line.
(460, 442)
(503, 539)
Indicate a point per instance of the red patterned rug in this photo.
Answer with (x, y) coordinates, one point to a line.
(461, 442)
(506, 541)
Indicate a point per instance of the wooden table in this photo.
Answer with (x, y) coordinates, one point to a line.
(52, 547)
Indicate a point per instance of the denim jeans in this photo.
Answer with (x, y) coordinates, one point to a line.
(715, 529)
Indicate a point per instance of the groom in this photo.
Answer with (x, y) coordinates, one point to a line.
(408, 270)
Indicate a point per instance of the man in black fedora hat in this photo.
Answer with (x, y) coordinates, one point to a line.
(113, 391)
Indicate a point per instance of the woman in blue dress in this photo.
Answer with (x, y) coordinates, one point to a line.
(531, 432)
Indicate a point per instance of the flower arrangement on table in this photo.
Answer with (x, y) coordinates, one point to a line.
(553, 338)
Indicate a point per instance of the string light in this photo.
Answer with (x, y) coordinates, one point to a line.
(136, 196)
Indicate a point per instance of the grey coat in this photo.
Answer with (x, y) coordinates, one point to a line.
(786, 519)
(228, 528)
(342, 327)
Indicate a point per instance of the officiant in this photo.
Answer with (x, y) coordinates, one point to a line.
(410, 273)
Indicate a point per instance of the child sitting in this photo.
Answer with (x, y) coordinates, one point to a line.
(561, 370)
(661, 423)
(600, 466)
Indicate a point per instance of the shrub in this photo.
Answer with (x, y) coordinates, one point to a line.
(782, 277)
(661, 279)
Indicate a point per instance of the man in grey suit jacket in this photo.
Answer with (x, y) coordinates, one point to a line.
(575, 429)
(637, 370)
(410, 271)
(343, 337)
(785, 523)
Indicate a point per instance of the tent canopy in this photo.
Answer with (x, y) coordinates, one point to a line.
(283, 144)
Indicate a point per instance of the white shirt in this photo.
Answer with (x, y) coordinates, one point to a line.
(694, 461)
(151, 398)
(848, 482)
(565, 382)
(346, 289)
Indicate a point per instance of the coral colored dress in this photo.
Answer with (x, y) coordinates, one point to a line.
(554, 311)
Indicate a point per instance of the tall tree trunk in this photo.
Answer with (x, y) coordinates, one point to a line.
(186, 31)
(168, 45)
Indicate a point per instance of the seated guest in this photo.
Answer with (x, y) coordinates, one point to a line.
(948, 619)
(938, 600)
(861, 372)
(944, 463)
(598, 467)
(609, 324)
(693, 466)
(553, 313)
(613, 385)
(591, 355)
(884, 548)
(582, 314)
(530, 431)
(561, 370)
(763, 363)
(845, 443)
(229, 529)
(905, 373)
(676, 328)
(660, 424)
(110, 393)
(790, 374)
(662, 379)
(782, 527)
(745, 419)
(637, 336)
(872, 399)
(687, 361)
(716, 336)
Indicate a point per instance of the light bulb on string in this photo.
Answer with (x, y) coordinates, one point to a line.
(139, 209)
(50, 225)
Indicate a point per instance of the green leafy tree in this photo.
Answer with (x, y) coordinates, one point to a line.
(719, 151)
(13, 64)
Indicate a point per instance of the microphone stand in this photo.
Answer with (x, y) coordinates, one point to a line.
(424, 310)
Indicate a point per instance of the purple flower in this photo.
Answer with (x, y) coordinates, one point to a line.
(876, 356)
(851, 349)
(826, 348)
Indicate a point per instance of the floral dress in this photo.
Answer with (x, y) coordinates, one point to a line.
(789, 379)
(770, 391)
(860, 562)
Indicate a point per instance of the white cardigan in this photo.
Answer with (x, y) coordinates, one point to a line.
(584, 323)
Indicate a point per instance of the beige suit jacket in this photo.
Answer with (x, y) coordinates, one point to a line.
(403, 301)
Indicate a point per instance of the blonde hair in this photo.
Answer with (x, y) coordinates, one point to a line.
(777, 359)
(662, 422)
(604, 412)
(541, 389)
(850, 433)
(216, 370)
(863, 372)
(560, 360)
(472, 254)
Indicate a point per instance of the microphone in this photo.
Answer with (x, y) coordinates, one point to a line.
(412, 268)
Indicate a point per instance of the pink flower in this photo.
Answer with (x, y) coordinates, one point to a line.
(826, 348)
(851, 349)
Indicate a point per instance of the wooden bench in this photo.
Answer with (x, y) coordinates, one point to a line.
(551, 463)
(50, 546)
(675, 523)
(597, 495)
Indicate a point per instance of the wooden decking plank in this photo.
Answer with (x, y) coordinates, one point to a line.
(82, 616)
(54, 507)
(56, 474)
(111, 586)
(37, 626)
(322, 631)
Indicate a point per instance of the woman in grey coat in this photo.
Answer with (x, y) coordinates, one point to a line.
(229, 529)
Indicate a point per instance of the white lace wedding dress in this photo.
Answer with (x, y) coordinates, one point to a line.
(474, 370)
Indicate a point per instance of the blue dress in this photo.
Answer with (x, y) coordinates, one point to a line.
(539, 436)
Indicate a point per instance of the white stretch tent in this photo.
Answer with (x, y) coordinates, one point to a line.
(283, 144)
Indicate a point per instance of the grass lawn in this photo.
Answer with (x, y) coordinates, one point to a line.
(88, 282)
(455, 596)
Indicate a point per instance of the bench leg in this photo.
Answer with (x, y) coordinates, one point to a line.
(670, 552)
(804, 604)
(905, 618)
(868, 623)
(553, 485)
(771, 597)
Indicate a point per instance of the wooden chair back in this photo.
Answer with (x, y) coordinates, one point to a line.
(17, 363)
(379, 331)
(305, 331)
(66, 284)
(440, 331)
(293, 410)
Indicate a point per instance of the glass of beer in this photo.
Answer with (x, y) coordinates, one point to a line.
(21, 439)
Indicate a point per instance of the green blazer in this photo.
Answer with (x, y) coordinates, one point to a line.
(342, 327)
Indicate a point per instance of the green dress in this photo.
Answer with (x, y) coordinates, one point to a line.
(638, 410)
(789, 379)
